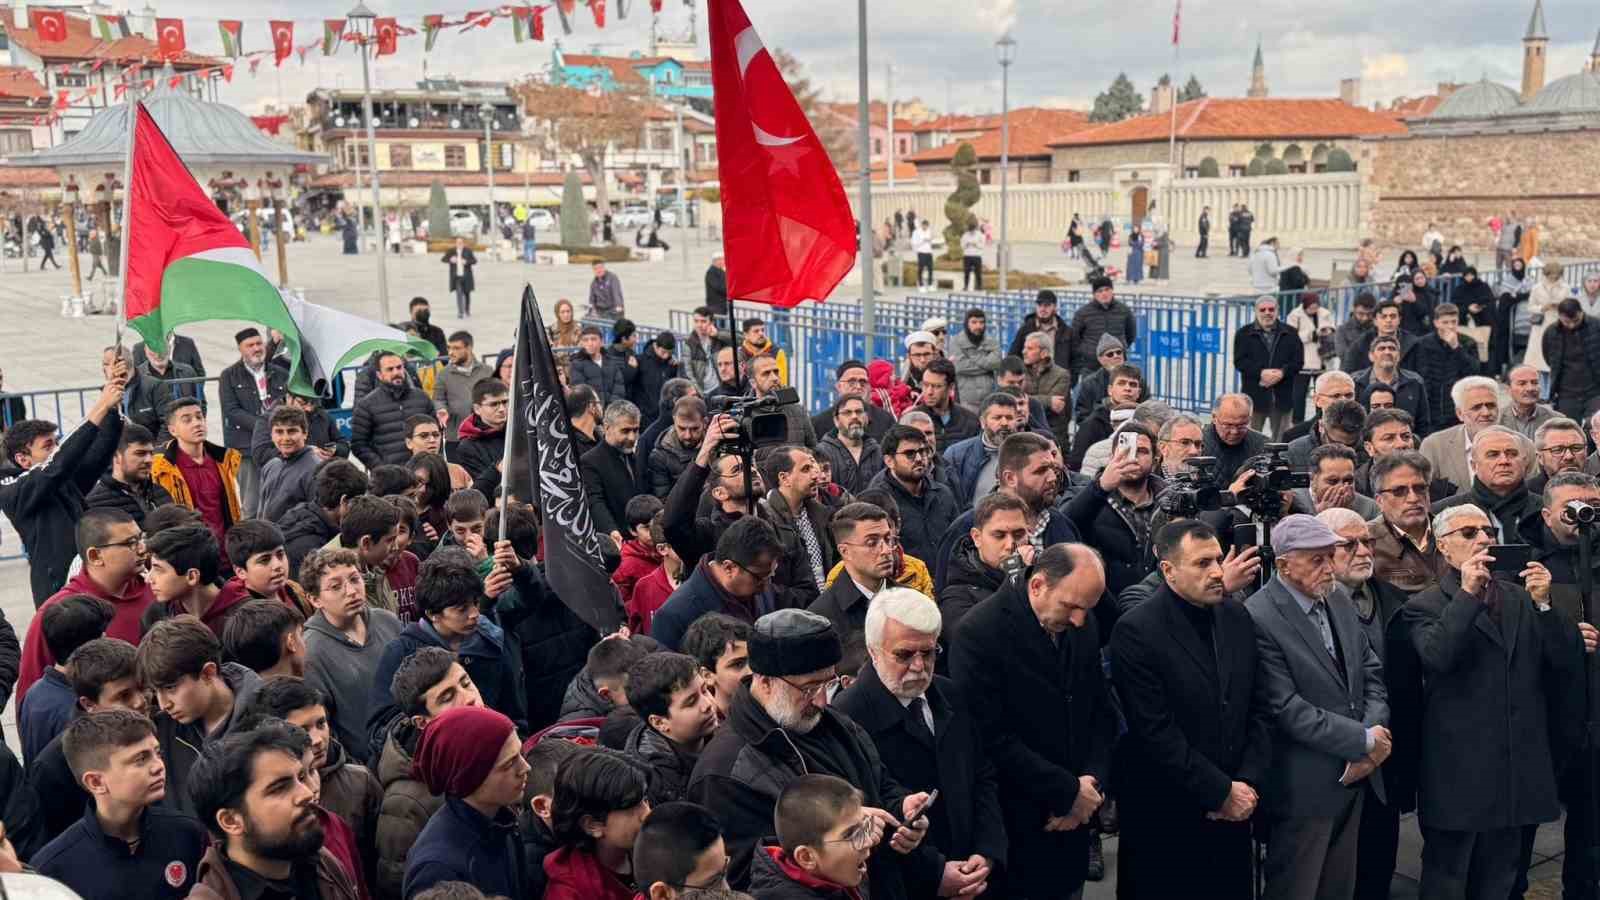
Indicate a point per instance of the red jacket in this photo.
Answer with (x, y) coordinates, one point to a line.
(339, 840)
(576, 875)
(649, 595)
(888, 391)
(230, 597)
(637, 562)
(130, 604)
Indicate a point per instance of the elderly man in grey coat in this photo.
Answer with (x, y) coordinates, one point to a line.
(1322, 683)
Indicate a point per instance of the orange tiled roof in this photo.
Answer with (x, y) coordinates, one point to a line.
(83, 45)
(959, 123)
(28, 178)
(19, 83)
(1033, 129)
(1413, 107)
(1214, 118)
(449, 179)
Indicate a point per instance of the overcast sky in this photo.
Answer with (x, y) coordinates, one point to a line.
(1063, 57)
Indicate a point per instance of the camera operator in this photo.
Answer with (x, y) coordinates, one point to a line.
(1498, 487)
(693, 535)
(1115, 510)
(1229, 439)
(1179, 440)
(765, 380)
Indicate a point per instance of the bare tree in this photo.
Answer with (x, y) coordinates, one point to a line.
(836, 133)
(586, 124)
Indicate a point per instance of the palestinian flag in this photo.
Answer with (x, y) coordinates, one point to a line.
(331, 339)
(186, 261)
(520, 15)
(232, 31)
(430, 30)
(332, 34)
(111, 28)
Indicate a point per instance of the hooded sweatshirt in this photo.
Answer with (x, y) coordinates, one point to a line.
(774, 876)
(637, 562)
(183, 742)
(229, 597)
(481, 446)
(344, 670)
(575, 874)
(129, 605)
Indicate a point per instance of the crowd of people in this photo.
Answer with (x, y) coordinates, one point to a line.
(991, 606)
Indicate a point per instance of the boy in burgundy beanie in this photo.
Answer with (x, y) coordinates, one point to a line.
(470, 755)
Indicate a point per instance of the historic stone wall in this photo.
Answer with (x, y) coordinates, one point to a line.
(1459, 182)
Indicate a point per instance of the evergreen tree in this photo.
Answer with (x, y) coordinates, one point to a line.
(438, 212)
(1191, 91)
(1209, 168)
(574, 213)
(958, 206)
(1119, 101)
(1339, 161)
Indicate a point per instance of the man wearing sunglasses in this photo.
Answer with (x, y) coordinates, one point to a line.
(1404, 550)
(780, 725)
(924, 730)
(1093, 387)
(1494, 653)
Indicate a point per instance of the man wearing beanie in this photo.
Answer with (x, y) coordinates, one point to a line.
(976, 355)
(1045, 319)
(656, 367)
(780, 727)
(1110, 352)
(1104, 315)
(472, 757)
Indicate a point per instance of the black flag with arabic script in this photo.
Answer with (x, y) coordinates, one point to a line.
(544, 466)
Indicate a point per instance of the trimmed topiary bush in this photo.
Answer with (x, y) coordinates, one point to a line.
(958, 206)
(1276, 167)
(438, 211)
(1257, 167)
(1209, 168)
(1340, 161)
(574, 214)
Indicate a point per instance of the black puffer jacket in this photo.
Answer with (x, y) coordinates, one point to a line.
(669, 766)
(1127, 559)
(667, 462)
(968, 581)
(304, 529)
(621, 372)
(378, 425)
(923, 520)
(135, 500)
(1090, 322)
(1441, 366)
(653, 373)
(553, 641)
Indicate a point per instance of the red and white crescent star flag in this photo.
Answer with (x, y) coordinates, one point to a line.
(282, 40)
(170, 36)
(1177, 18)
(789, 233)
(598, 7)
(387, 35)
(51, 24)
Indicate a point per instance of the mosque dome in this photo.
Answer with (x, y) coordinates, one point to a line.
(1578, 93)
(1478, 100)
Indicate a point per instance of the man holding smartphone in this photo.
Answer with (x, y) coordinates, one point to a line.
(1115, 510)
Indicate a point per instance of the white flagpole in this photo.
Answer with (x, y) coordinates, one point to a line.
(513, 419)
(127, 195)
(1172, 98)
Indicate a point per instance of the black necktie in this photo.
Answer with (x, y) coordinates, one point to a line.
(916, 708)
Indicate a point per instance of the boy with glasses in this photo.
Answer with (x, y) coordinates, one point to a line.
(825, 838)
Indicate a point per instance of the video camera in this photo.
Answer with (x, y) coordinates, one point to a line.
(1263, 494)
(1577, 512)
(1193, 491)
(761, 421)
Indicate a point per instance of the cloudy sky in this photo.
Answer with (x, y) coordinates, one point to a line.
(1066, 52)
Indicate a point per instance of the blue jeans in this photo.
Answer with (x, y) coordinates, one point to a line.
(529, 247)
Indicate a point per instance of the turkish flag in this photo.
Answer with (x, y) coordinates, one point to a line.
(655, 6)
(598, 7)
(282, 40)
(170, 33)
(387, 35)
(51, 24)
(538, 23)
(788, 231)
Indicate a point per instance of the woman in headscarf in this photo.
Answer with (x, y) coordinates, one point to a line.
(1547, 292)
(1315, 326)
(1416, 314)
(1455, 262)
(1512, 324)
(564, 333)
(1135, 272)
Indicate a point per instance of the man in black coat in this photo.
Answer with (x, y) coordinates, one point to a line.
(128, 485)
(1046, 319)
(780, 727)
(1498, 661)
(1197, 746)
(952, 421)
(1572, 348)
(1116, 509)
(979, 561)
(378, 424)
(929, 739)
(865, 537)
(717, 285)
(1268, 355)
(1444, 357)
(249, 389)
(801, 523)
(656, 367)
(610, 473)
(1229, 439)
(184, 351)
(1029, 656)
(850, 379)
(927, 507)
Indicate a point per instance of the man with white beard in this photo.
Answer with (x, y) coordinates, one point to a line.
(1322, 685)
(1378, 604)
(925, 732)
(780, 726)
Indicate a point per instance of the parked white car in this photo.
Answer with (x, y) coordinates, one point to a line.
(542, 219)
(242, 222)
(464, 223)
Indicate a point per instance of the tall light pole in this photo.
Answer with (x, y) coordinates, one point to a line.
(889, 89)
(869, 314)
(361, 22)
(487, 112)
(677, 151)
(1007, 48)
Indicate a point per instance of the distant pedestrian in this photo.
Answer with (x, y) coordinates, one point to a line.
(1233, 231)
(1205, 233)
(460, 259)
(1135, 256)
(96, 252)
(922, 245)
(972, 257)
(605, 293)
(899, 222)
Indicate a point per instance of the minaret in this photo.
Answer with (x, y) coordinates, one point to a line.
(1534, 44)
(1594, 55)
(1258, 75)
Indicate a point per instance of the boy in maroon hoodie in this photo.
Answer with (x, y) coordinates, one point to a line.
(112, 548)
(185, 563)
(824, 837)
(261, 564)
(652, 591)
(599, 807)
(640, 555)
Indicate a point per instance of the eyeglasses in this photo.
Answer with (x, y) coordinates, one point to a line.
(760, 577)
(874, 543)
(811, 692)
(1401, 491)
(1471, 532)
(1567, 450)
(129, 544)
(919, 453)
(717, 881)
(1352, 543)
(1114, 353)
(905, 657)
(861, 835)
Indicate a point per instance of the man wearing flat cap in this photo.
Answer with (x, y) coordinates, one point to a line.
(1321, 681)
(250, 389)
(780, 727)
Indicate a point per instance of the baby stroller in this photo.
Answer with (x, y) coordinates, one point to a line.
(1094, 263)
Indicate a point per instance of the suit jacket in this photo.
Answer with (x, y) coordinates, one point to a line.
(967, 819)
(1487, 759)
(610, 478)
(1321, 710)
(241, 402)
(1046, 719)
(845, 606)
(1447, 451)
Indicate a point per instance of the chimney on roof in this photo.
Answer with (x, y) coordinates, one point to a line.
(1350, 91)
(1161, 99)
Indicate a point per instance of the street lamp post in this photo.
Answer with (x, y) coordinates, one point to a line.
(869, 317)
(1007, 47)
(487, 112)
(361, 22)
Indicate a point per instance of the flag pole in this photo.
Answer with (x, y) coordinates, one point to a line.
(1172, 95)
(127, 195)
(512, 418)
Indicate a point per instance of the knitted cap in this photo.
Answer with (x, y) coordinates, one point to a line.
(459, 748)
(793, 642)
(1109, 341)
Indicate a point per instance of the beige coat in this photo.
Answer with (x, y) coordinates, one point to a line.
(1542, 301)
